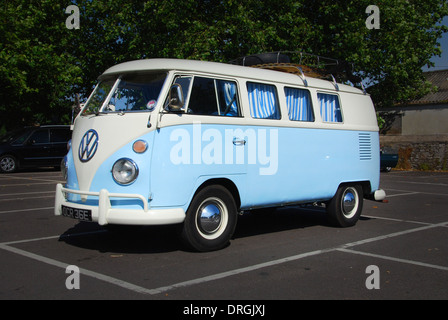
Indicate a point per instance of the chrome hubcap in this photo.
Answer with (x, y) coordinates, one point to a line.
(211, 218)
(349, 202)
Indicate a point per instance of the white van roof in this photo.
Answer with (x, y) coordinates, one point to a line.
(227, 70)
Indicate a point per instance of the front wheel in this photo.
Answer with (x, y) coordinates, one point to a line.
(210, 220)
(8, 164)
(345, 208)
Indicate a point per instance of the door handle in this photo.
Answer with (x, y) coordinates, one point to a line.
(239, 142)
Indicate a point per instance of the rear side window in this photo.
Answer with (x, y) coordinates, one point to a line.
(330, 109)
(263, 101)
(298, 102)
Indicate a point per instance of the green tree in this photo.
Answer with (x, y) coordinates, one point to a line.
(36, 73)
(43, 64)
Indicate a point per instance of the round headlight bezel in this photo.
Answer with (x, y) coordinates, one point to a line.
(119, 169)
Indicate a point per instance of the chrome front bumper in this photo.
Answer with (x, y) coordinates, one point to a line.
(105, 214)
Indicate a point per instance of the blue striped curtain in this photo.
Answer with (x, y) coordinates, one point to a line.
(329, 107)
(263, 101)
(299, 105)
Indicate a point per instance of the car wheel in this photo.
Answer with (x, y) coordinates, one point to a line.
(345, 208)
(210, 220)
(8, 164)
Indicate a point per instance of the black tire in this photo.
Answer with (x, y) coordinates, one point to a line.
(8, 164)
(210, 220)
(346, 206)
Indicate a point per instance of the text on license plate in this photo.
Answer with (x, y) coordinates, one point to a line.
(75, 213)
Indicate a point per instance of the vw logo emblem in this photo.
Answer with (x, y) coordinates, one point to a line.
(88, 145)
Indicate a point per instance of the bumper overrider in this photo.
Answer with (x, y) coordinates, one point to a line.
(104, 213)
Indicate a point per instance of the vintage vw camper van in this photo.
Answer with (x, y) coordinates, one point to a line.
(167, 141)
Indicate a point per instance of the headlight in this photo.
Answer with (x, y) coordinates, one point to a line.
(124, 171)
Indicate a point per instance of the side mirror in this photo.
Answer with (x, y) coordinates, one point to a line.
(176, 98)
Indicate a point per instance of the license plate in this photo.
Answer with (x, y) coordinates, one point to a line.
(75, 213)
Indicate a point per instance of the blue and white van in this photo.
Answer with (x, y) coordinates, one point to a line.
(167, 141)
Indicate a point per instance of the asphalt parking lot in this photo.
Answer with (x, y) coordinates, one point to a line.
(398, 250)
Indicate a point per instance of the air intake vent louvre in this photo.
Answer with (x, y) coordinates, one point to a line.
(365, 146)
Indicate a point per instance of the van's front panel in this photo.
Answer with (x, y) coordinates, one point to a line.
(109, 162)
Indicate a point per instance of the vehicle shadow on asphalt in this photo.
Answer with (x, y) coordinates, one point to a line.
(273, 220)
(123, 239)
(159, 239)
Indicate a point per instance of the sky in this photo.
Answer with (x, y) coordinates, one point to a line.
(441, 62)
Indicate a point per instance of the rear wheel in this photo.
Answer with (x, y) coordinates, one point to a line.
(210, 220)
(345, 208)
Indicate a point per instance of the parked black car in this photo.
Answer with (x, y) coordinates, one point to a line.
(388, 161)
(43, 146)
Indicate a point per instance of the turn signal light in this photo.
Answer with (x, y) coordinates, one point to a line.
(140, 146)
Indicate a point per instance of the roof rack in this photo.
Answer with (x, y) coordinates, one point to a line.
(304, 64)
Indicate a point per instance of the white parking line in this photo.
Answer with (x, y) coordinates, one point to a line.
(421, 192)
(26, 198)
(425, 183)
(86, 272)
(392, 235)
(9, 185)
(25, 193)
(36, 179)
(238, 271)
(417, 263)
(139, 289)
(24, 210)
(400, 220)
(401, 194)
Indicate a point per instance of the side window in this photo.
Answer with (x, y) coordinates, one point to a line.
(330, 109)
(59, 135)
(39, 136)
(203, 97)
(299, 105)
(210, 96)
(227, 98)
(263, 101)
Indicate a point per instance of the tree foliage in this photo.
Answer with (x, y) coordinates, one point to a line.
(43, 64)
